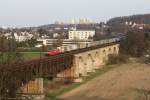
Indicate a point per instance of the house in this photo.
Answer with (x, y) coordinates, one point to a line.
(20, 37)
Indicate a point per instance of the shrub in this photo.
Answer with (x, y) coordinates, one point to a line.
(68, 80)
(21, 49)
(115, 59)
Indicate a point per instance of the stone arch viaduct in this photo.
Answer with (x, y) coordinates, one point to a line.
(27, 77)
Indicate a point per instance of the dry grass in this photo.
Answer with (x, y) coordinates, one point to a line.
(127, 82)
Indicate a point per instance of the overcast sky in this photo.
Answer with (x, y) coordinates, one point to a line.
(38, 12)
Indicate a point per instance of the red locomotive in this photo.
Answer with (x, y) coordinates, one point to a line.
(52, 52)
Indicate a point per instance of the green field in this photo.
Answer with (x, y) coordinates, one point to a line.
(30, 55)
(12, 57)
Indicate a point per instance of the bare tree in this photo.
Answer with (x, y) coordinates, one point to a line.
(59, 41)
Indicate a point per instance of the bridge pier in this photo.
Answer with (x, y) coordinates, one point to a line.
(90, 63)
(97, 59)
(80, 65)
(33, 89)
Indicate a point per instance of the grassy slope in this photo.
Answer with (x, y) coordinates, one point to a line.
(30, 55)
(51, 94)
(61, 89)
(26, 56)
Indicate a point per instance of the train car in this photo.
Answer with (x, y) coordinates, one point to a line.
(52, 52)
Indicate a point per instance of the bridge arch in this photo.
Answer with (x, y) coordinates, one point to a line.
(82, 66)
(97, 58)
(90, 64)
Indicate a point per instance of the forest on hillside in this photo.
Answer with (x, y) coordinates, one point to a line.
(118, 24)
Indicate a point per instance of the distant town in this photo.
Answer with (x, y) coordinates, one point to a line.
(81, 30)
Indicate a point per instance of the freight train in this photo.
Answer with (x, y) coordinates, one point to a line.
(106, 41)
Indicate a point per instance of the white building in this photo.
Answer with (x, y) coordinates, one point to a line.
(55, 35)
(64, 41)
(20, 37)
(77, 21)
(81, 34)
(23, 36)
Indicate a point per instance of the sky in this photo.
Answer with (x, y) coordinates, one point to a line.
(23, 13)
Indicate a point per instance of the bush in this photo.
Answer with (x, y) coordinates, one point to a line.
(21, 49)
(68, 80)
(116, 59)
(147, 60)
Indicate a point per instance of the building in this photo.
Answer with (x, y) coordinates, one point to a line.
(77, 21)
(19, 37)
(81, 34)
(64, 42)
(23, 36)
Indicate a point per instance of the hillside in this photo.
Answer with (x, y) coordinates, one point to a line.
(120, 24)
(126, 82)
(139, 19)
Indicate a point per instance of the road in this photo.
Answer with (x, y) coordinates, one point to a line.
(126, 82)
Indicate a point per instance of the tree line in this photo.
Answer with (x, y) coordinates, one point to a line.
(136, 43)
(8, 53)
